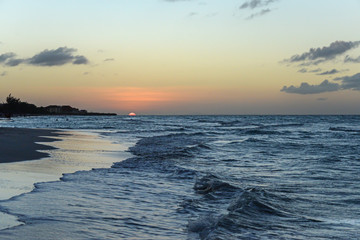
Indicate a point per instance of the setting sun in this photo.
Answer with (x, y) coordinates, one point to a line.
(235, 118)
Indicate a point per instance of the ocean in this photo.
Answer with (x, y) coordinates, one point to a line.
(197, 177)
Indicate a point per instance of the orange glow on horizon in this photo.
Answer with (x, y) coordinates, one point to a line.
(125, 100)
(138, 99)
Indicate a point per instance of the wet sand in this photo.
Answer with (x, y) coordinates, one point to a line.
(19, 144)
(65, 152)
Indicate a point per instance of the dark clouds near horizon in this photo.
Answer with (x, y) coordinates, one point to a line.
(318, 71)
(350, 59)
(330, 72)
(322, 54)
(319, 55)
(306, 88)
(350, 82)
(49, 58)
(345, 83)
(6, 56)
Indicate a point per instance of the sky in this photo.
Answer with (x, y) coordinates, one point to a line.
(183, 56)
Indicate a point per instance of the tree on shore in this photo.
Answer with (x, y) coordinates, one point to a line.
(12, 100)
(14, 105)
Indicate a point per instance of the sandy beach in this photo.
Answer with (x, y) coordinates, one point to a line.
(52, 153)
(19, 144)
(16, 145)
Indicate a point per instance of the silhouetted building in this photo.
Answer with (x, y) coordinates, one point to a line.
(66, 109)
(53, 109)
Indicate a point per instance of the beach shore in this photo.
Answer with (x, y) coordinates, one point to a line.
(19, 144)
(52, 153)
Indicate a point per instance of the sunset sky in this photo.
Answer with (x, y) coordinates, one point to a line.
(183, 56)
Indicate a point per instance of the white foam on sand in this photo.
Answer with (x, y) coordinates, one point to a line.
(77, 151)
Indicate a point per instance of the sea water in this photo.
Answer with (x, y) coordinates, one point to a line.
(200, 177)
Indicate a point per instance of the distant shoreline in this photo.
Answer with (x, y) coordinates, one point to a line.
(15, 107)
(59, 114)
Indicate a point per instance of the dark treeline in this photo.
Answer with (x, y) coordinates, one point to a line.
(15, 107)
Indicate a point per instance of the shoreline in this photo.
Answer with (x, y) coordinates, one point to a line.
(22, 144)
(45, 155)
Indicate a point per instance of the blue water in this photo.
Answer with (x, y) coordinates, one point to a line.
(203, 177)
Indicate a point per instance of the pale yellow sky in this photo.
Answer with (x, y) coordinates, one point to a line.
(182, 57)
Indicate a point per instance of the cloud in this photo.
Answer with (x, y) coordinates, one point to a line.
(261, 13)
(318, 55)
(109, 60)
(305, 70)
(315, 70)
(3, 74)
(306, 88)
(333, 71)
(80, 60)
(346, 83)
(350, 59)
(6, 56)
(14, 62)
(350, 82)
(57, 57)
(256, 4)
(321, 99)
